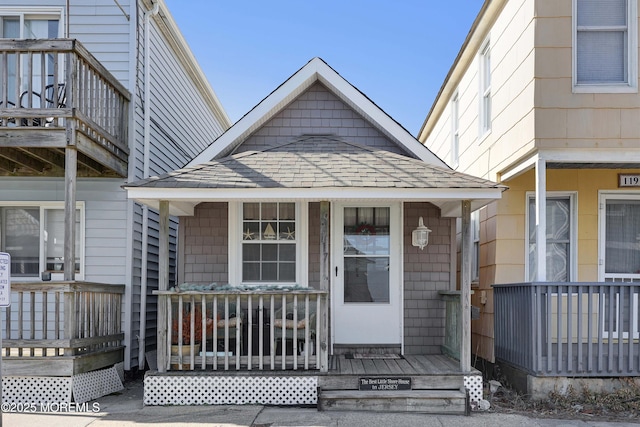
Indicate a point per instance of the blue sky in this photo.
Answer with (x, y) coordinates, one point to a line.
(397, 52)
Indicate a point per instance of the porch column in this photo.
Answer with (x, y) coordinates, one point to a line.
(163, 281)
(70, 177)
(541, 221)
(465, 289)
(325, 265)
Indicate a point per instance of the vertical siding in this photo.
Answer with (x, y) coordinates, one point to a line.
(318, 111)
(426, 272)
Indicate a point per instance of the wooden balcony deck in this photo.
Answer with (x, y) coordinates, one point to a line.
(55, 95)
(62, 328)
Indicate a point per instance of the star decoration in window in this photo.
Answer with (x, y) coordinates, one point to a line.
(247, 235)
(289, 235)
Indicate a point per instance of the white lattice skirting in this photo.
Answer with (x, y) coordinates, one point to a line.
(45, 390)
(230, 390)
(473, 384)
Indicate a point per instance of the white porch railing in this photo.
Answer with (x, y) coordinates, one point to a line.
(242, 330)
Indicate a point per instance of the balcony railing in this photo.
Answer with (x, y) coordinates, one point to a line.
(62, 328)
(242, 330)
(569, 329)
(53, 83)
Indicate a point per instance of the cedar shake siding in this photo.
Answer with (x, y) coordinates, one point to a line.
(426, 272)
(318, 112)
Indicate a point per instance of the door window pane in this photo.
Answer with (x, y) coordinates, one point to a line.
(622, 239)
(366, 254)
(558, 239)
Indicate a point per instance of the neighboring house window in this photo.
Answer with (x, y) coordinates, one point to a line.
(17, 23)
(269, 242)
(485, 89)
(455, 131)
(475, 238)
(34, 237)
(560, 238)
(605, 45)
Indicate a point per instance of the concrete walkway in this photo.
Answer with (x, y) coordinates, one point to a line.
(126, 409)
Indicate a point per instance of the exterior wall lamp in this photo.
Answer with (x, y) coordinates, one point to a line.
(420, 236)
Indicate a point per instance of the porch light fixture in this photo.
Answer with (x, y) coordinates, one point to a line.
(420, 236)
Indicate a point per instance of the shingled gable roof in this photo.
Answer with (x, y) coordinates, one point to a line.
(315, 167)
(314, 71)
(316, 161)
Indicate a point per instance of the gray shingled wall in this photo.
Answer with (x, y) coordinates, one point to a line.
(206, 244)
(426, 272)
(318, 111)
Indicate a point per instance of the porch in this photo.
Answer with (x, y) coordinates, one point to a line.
(574, 329)
(54, 332)
(246, 349)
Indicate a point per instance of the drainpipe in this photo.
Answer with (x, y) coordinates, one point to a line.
(145, 210)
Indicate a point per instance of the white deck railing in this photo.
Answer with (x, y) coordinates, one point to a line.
(242, 330)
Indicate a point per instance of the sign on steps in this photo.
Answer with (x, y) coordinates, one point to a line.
(394, 383)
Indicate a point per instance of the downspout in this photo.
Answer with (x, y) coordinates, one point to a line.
(145, 210)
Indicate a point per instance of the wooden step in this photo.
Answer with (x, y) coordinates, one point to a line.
(425, 401)
(418, 382)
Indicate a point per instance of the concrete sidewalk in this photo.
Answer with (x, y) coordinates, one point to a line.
(126, 409)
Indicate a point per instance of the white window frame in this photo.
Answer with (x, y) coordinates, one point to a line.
(31, 12)
(631, 85)
(80, 251)
(235, 244)
(455, 130)
(573, 231)
(484, 91)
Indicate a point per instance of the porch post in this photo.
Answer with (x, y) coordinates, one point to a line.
(541, 221)
(465, 289)
(324, 285)
(70, 177)
(163, 281)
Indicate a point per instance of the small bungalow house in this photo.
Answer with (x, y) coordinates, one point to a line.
(543, 97)
(307, 273)
(88, 100)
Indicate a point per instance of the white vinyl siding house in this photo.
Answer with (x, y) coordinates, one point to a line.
(120, 237)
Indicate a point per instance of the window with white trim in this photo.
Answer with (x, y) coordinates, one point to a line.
(270, 242)
(455, 130)
(34, 236)
(30, 23)
(605, 45)
(561, 238)
(485, 89)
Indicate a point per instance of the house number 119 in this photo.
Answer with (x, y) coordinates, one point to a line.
(628, 180)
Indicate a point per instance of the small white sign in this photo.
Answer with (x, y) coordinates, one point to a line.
(628, 180)
(5, 279)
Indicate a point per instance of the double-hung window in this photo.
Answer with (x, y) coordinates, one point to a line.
(485, 88)
(270, 237)
(561, 238)
(33, 234)
(605, 48)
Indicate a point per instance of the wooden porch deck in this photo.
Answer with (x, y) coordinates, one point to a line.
(433, 364)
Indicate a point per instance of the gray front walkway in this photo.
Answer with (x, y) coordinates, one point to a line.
(126, 409)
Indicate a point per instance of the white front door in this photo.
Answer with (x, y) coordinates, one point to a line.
(366, 280)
